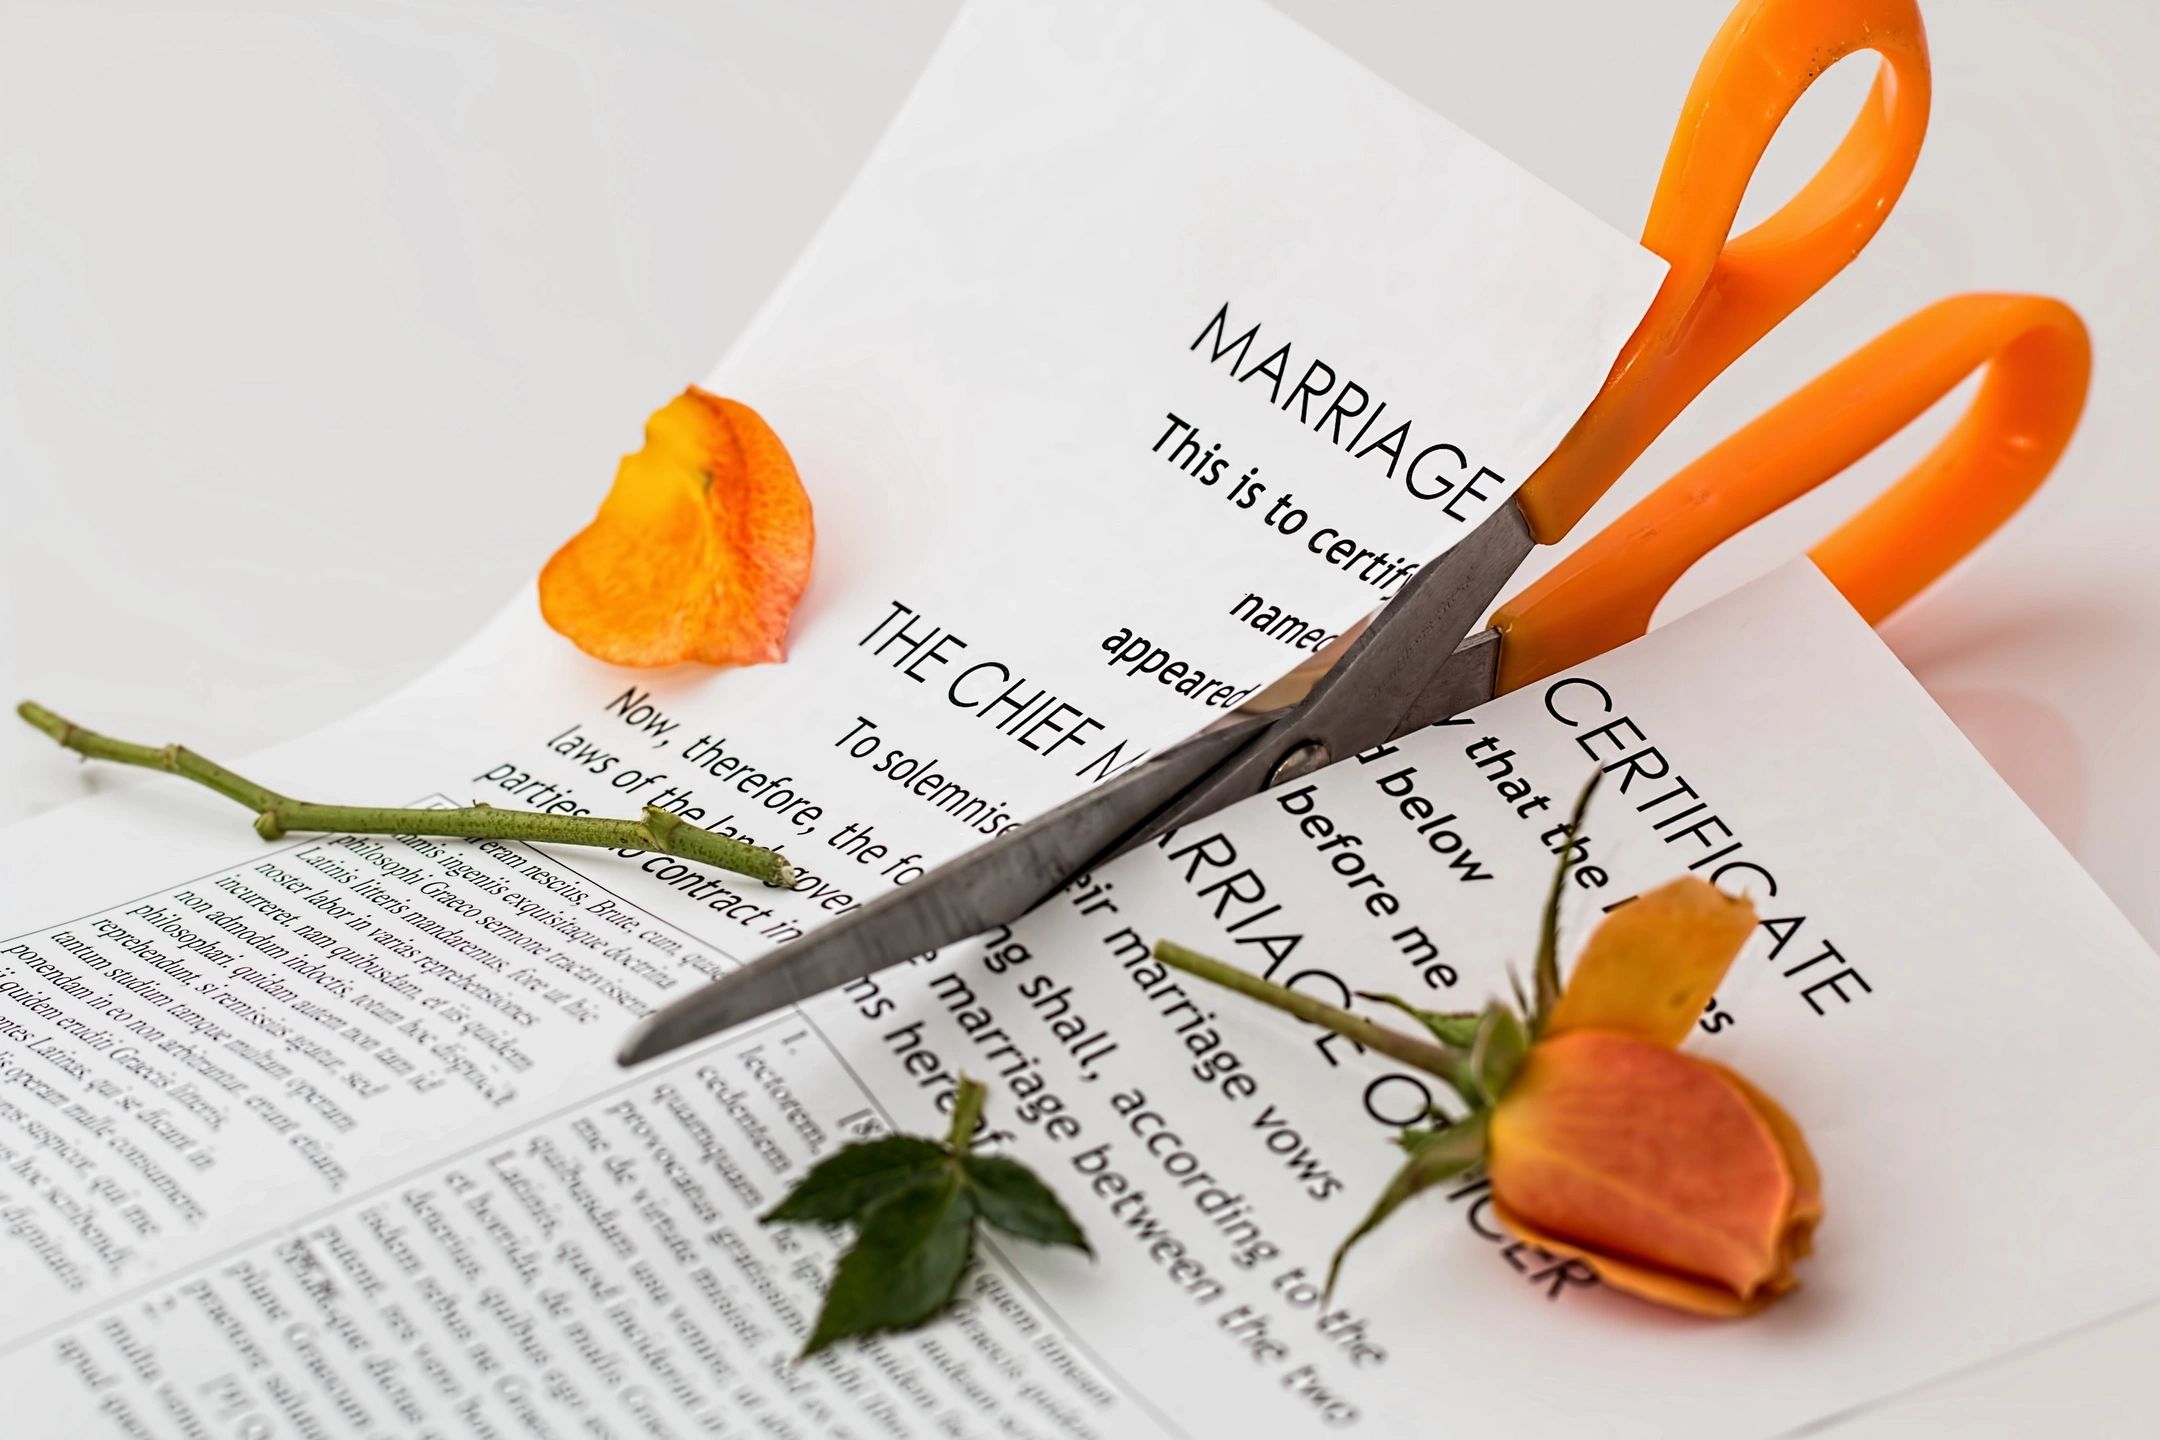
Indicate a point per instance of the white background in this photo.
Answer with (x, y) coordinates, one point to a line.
(320, 325)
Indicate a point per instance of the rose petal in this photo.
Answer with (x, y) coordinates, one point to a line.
(1654, 963)
(700, 550)
(1628, 1150)
(1646, 1282)
(1806, 1211)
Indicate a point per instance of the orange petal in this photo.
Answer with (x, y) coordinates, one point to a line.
(1647, 1157)
(1646, 1282)
(1807, 1205)
(1652, 965)
(700, 550)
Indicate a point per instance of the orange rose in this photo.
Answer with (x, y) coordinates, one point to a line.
(700, 550)
(1670, 1176)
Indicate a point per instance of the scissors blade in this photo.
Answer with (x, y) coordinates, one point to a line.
(991, 885)
(998, 882)
(1395, 679)
(1468, 678)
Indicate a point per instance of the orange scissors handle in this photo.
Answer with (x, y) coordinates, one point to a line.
(1723, 292)
(2038, 361)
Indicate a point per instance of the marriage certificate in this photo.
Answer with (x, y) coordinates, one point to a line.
(1155, 345)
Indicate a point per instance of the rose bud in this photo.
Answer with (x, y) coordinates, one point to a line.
(1670, 1176)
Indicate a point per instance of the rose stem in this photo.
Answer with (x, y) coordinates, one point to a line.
(276, 815)
(1427, 1055)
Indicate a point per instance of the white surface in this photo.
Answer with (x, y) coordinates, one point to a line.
(355, 306)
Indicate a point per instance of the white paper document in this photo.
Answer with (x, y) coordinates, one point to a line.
(250, 1187)
(1155, 346)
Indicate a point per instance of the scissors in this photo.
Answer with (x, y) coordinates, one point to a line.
(1721, 294)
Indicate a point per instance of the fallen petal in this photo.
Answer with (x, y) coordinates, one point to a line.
(700, 550)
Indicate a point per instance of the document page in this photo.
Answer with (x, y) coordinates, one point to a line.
(1074, 501)
(586, 1257)
(1923, 941)
(325, 1137)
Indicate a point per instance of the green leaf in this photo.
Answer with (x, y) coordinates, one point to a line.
(848, 1182)
(1439, 1155)
(1009, 1196)
(905, 1264)
(1449, 1027)
(1497, 1052)
(915, 1204)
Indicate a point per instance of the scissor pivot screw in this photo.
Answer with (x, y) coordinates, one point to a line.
(1303, 758)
